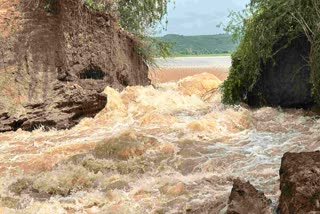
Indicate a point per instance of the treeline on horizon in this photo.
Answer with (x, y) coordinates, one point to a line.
(200, 45)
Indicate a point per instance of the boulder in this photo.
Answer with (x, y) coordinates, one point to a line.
(285, 80)
(245, 199)
(300, 183)
(62, 111)
(8, 122)
(49, 47)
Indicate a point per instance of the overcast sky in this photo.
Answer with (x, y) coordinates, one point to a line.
(200, 17)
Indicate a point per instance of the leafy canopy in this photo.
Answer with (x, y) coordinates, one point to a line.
(137, 16)
(140, 17)
(259, 28)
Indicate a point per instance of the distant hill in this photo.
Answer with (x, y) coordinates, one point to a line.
(202, 44)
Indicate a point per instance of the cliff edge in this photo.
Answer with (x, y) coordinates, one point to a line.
(56, 57)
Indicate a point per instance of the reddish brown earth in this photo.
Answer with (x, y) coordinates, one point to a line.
(300, 183)
(57, 60)
(245, 198)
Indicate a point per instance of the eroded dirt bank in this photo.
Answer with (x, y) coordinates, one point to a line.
(171, 148)
(56, 57)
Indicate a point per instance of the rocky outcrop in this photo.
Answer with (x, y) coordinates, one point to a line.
(300, 183)
(65, 109)
(285, 81)
(245, 199)
(56, 57)
(61, 111)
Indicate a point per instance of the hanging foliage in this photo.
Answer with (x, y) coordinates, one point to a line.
(137, 16)
(268, 22)
(141, 17)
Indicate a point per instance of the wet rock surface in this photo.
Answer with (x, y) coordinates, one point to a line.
(8, 123)
(67, 45)
(64, 110)
(300, 183)
(245, 199)
(285, 81)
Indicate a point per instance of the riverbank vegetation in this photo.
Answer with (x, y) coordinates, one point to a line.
(202, 45)
(262, 26)
(139, 18)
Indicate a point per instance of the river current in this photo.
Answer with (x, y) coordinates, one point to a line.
(165, 148)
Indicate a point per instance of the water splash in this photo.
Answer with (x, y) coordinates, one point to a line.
(167, 148)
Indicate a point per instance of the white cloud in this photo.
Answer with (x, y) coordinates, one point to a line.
(195, 17)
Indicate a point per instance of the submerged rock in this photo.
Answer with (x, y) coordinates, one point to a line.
(245, 199)
(300, 183)
(56, 59)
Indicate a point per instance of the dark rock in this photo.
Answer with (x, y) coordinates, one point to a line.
(286, 80)
(8, 122)
(47, 52)
(64, 110)
(300, 183)
(245, 199)
(209, 207)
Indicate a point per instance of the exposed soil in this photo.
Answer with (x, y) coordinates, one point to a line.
(64, 44)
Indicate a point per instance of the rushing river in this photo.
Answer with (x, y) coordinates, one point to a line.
(166, 148)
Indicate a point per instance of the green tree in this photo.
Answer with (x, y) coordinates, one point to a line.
(135, 16)
(139, 17)
(260, 28)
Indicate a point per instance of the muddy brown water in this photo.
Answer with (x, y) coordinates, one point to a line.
(154, 149)
(174, 69)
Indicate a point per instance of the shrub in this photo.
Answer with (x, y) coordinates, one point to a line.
(93, 5)
(266, 23)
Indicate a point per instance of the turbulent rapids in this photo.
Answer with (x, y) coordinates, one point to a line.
(166, 148)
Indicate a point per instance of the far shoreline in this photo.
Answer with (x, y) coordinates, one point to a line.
(195, 56)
